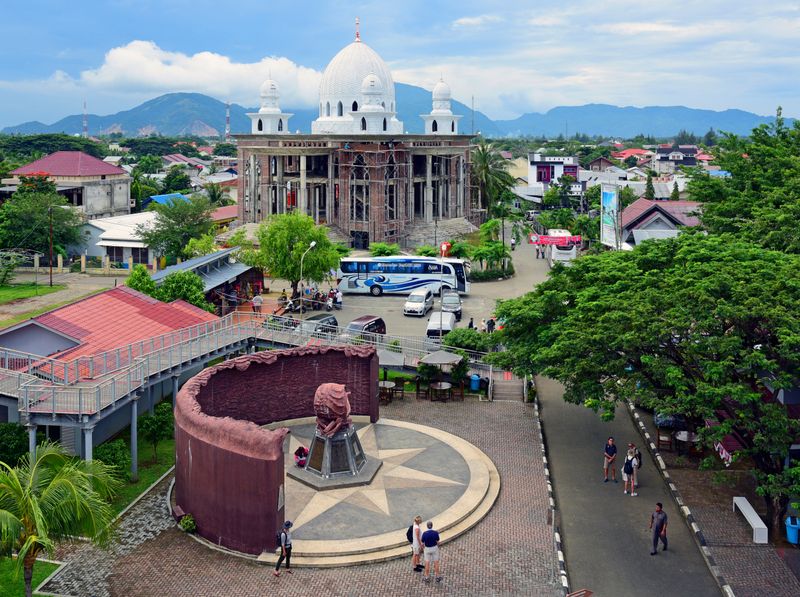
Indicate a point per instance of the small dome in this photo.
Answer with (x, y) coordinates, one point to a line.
(269, 88)
(371, 85)
(441, 92)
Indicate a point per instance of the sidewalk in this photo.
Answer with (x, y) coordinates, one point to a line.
(605, 533)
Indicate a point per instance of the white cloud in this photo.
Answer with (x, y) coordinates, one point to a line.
(547, 21)
(478, 21)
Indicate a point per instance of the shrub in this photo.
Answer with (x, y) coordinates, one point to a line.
(427, 251)
(459, 371)
(394, 346)
(384, 249)
(469, 339)
(187, 523)
(427, 373)
(490, 275)
(460, 250)
(116, 454)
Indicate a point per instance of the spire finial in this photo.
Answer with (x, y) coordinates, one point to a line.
(358, 34)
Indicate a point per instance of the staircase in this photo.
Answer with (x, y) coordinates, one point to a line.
(507, 387)
(423, 233)
(337, 236)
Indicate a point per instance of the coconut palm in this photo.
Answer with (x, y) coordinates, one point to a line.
(50, 499)
(489, 173)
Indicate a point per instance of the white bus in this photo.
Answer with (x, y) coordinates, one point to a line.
(563, 253)
(401, 274)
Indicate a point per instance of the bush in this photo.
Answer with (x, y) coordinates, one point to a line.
(384, 249)
(469, 339)
(460, 370)
(187, 523)
(460, 249)
(427, 373)
(117, 454)
(427, 251)
(394, 346)
(490, 275)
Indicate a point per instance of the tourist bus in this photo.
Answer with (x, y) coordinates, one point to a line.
(402, 274)
(563, 253)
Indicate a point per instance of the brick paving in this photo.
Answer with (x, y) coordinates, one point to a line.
(510, 552)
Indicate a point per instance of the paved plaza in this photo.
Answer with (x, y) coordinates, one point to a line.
(510, 552)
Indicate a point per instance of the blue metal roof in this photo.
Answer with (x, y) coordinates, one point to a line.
(164, 199)
(719, 173)
(215, 269)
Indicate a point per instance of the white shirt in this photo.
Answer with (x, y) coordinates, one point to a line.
(415, 535)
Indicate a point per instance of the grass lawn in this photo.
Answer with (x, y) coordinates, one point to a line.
(149, 472)
(15, 292)
(16, 586)
(34, 312)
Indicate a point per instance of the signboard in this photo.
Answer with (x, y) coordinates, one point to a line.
(609, 216)
(444, 249)
(542, 239)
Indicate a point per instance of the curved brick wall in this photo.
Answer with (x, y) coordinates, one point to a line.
(228, 470)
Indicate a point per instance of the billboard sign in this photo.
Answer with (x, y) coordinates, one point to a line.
(609, 216)
(543, 239)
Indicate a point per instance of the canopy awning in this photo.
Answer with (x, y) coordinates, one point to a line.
(441, 357)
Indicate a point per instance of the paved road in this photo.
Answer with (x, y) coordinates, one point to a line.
(78, 285)
(606, 540)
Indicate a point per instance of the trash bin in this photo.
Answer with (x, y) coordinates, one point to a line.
(474, 382)
(792, 528)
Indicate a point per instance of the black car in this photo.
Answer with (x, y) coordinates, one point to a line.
(320, 323)
(451, 303)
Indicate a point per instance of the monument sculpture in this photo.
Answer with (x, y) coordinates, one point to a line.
(336, 458)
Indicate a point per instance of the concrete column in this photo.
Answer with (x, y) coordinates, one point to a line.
(315, 194)
(36, 262)
(60, 262)
(302, 201)
(427, 208)
(130, 264)
(107, 264)
(32, 440)
(155, 263)
(460, 212)
(175, 388)
(281, 185)
(134, 438)
(87, 442)
(331, 191)
(83, 264)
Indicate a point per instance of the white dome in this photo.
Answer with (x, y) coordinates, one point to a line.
(269, 88)
(441, 92)
(371, 85)
(344, 75)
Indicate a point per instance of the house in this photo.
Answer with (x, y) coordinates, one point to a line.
(638, 153)
(103, 327)
(601, 164)
(549, 169)
(669, 157)
(117, 238)
(96, 188)
(163, 199)
(178, 159)
(645, 219)
(223, 216)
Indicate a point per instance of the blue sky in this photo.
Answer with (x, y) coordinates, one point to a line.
(514, 57)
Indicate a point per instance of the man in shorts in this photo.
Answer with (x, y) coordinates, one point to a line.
(609, 458)
(430, 541)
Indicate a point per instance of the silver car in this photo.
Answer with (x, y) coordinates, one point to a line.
(419, 302)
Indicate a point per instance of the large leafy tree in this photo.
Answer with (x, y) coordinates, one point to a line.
(177, 221)
(760, 200)
(25, 223)
(696, 325)
(489, 173)
(176, 181)
(187, 286)
(225, 149)
(13, 443)
(282, 240)
(50, 499)
(148, 164)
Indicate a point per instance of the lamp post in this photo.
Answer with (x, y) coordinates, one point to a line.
(302, 291)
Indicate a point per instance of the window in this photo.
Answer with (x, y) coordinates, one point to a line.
(140, 255)
(355, 106)
(260, 125)
(453, 127)
(339, 109)
(383, 105)
(363, 124)
(384, 124)
(359, 190)
(327, 108)
(115, 254)
(280, 124)
(390, 190)
(434, 126)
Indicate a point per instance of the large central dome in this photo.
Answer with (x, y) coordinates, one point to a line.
(342, 79)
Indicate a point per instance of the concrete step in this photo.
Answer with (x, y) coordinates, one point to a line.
(508, 390)
(423, 233)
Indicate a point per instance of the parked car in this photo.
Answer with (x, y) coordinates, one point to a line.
(440, 324)
(419, 302)
(451, 303)
(324, 323)
(366, 327)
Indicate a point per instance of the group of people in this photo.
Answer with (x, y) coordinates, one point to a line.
(425, 544)
(630, 477)
(540, 252)
(485, 325)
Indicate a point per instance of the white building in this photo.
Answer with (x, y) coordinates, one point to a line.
(117, 237)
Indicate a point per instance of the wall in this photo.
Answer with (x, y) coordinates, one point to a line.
(105, 198)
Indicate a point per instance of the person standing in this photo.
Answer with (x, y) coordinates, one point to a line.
(658, 524)
(430, 542)
(482, 326)
(416, 544)
(609, 458)
(513, 243)
(538, 250)
(286, 549)
(471, 324)
(258, 300)
(629, 472)
(490, 325)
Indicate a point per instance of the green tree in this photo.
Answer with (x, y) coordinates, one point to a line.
(710, 138)
(592, 197)
(225, 149)
(184, 285)
(177, 221)
(588, 228)
(469, 339)
(649, 189)
(557, 218)
(489, 173)
(215, 194)
(50, 499)
(176, 181)
(25, 223)
(142, 187)
(489, 230)
(283, 239)
(615, 326)
(675, 194)
(36, 183)
(460, 249)
(140, 280)
(197, 247)
(187, 149)
(504, 208)
(148, 164)
(627, 196)
(384, 249)
(157, 426)
(13, 443)
(631, 161)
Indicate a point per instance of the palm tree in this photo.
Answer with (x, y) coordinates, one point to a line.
(489, 173)
(215, 193)
(51, 498)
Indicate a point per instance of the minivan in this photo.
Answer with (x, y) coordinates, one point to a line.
(440, 324)
(321, 323)
(366, 327)
(451, 303)
(419, 302)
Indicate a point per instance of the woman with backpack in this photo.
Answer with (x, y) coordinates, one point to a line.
(416, 544)
(629, 472)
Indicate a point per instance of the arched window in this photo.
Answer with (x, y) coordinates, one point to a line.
(340, 109)
(435, 126)
(383, 105)
(260, 125)
(327, 108)
(453, 127)
(363, 124)
(390, 190)
(280, 124)
(384, 124)
(355, 106)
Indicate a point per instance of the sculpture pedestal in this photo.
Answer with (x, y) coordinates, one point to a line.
(336, 462)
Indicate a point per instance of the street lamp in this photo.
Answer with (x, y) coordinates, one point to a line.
(302, 291)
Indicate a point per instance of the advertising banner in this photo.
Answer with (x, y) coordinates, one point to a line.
(609, 216)
(543, 239)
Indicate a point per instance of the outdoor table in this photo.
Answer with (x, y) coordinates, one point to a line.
(688, 439)
(385, 388)
(441, 390)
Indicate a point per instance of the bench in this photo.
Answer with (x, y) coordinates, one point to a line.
(753, 519)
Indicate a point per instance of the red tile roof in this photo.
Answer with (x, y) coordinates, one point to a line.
(117, 317)
(69, 163)
(681, 211)
(225, 212)
(626, 153)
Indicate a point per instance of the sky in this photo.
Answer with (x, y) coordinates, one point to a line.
(513, 57)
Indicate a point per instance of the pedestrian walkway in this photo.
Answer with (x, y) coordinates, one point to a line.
(605, 533)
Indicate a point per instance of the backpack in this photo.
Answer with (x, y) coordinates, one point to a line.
(638, 458)
(410, 534)
(627, 468)
(278, 539)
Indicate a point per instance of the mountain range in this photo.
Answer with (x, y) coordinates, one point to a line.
(204, 116)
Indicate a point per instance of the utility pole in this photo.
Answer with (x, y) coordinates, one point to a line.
(50, 213)
(473, 115)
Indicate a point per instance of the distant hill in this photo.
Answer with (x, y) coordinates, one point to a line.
(201, 115)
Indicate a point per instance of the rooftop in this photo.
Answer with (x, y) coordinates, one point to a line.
(69, 163)
(682, 212)
(215, 269)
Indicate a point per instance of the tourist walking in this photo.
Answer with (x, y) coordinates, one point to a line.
(658, 524)
(416, 544)
(286, 549)
(609, 458)
(257, 302)
(629, 472)
(430, 541)
(513, 243)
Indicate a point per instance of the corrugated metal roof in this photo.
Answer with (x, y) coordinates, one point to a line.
(69, 163)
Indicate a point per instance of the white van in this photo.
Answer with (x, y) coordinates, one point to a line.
(440, 324)
(419, 302)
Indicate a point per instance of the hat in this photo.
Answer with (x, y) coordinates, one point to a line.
(288, 524)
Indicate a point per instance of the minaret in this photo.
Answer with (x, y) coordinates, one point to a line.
(441, 120)
(269, 120)
(358, 34)
(85, 121)
(228, 122)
